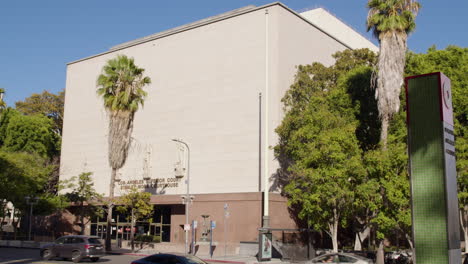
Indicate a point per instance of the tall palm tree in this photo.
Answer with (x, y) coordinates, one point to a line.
(121, 87)
(391, 22)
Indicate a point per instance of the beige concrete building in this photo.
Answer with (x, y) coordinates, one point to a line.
(206, 80)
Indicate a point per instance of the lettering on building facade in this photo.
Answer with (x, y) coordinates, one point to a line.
(157, 183)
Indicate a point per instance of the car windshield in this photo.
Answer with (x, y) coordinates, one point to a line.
(60, 240)
(93, 240)
(194, 260)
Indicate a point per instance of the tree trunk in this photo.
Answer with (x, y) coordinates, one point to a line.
(360, 237)
(333, 227)
(110, 206)
(391, 65)
(410, 242)
(463, 224)
(335, 236)
(384, 131)
(132, 232)
(82, 225)
(380, 254)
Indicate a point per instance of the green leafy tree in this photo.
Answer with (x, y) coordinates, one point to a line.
(5, 117)
(137, 203)
(389, 168)
(47, 104)
(391, 22)
(453, 62)
(52, 106)
(32, 134)
(318, 148)
(22, 174)
(356, 82)
(121, 87)
(84, 197)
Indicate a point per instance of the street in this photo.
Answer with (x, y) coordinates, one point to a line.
(26, 256)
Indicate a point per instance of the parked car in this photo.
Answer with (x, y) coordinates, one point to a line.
(172, 258)
(75, 248)
(398, 257)
(340, 258)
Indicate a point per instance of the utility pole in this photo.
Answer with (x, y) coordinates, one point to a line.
(31, 201)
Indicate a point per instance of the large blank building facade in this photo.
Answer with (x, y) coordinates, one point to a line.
(207, 78)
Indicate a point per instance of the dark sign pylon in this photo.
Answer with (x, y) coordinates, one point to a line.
(431, 148)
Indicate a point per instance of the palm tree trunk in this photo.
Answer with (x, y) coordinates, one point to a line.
(391, 65)
(384, 131)
(110, 206)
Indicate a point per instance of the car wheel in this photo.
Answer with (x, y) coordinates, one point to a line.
(46, 254)
(76, 256)
(94, 259)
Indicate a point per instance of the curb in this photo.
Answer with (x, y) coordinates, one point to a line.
(224, 261)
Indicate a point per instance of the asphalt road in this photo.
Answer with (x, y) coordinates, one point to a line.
(27, 256)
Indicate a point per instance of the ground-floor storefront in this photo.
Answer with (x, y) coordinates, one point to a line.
(235, 217)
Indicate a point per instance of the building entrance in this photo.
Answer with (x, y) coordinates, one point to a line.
(158, 226)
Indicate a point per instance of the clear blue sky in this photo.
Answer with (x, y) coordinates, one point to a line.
(38, 38)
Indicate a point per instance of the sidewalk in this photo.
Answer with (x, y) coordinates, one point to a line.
(235, 259)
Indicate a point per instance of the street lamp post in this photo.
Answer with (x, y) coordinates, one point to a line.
(187, 199)
(31, 201)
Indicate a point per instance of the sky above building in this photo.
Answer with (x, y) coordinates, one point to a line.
(39, 38)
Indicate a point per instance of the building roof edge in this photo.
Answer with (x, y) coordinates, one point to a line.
(204, 22)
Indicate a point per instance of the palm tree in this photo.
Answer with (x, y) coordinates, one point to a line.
(121, 87)
(391, 22)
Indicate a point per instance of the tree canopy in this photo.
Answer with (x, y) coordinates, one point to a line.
(84, 197)
(327, 106)
(32, 134)
(318, 147)
(22, 174)
(47, 104)
(138, 204)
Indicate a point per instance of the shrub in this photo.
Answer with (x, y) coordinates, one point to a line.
(148, 238)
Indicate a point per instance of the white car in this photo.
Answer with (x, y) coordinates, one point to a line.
(340, 258)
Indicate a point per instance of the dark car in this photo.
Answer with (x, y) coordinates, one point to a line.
(75, 248)
(172, 258)
(340, 258)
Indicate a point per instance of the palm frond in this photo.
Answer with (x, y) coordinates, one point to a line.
(391, 15)
(121, 87)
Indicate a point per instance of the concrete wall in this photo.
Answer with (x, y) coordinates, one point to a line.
(338, 29)
(204, 89)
